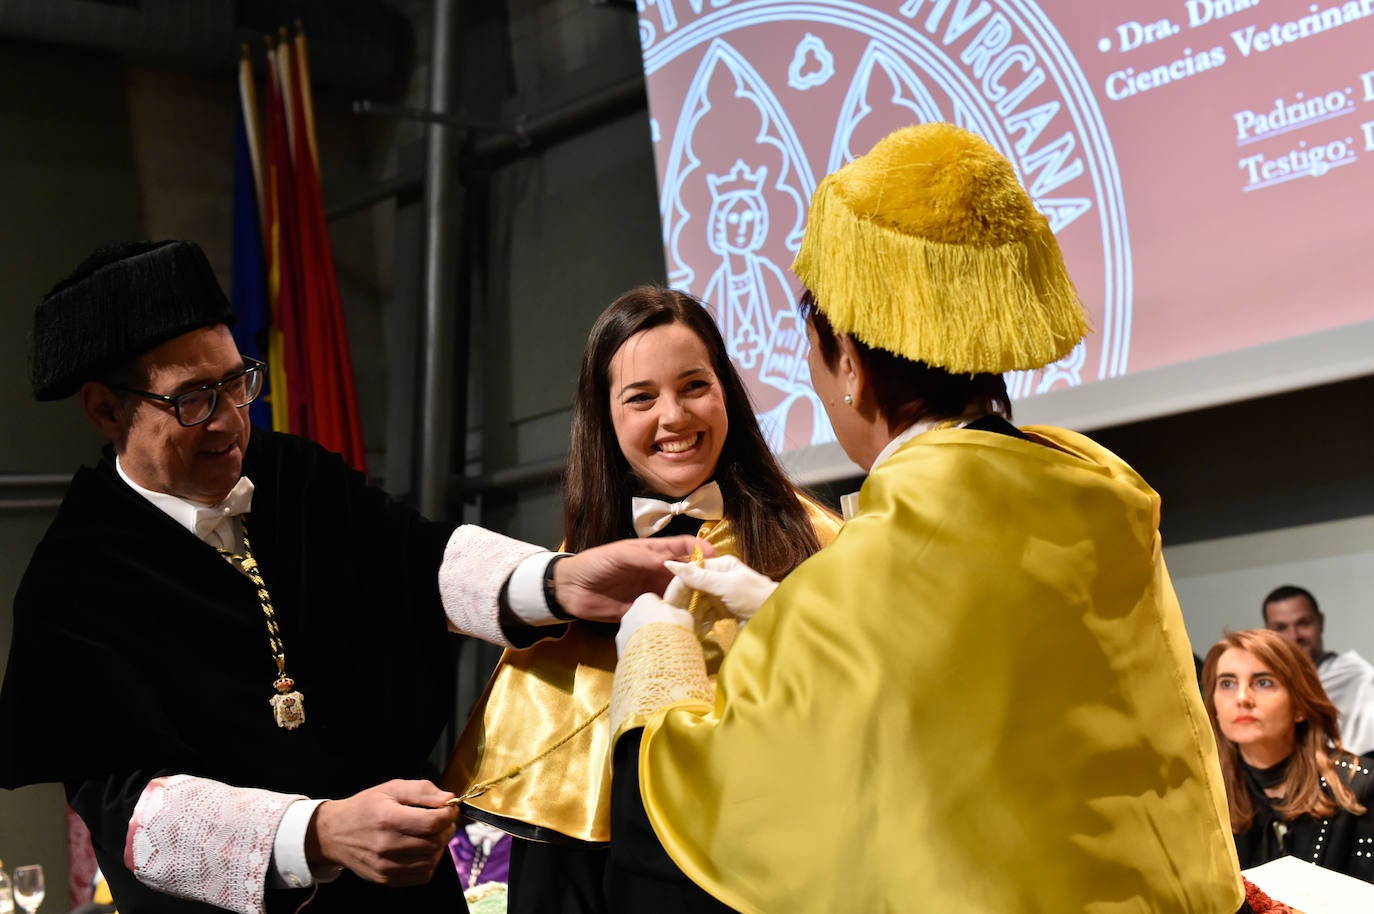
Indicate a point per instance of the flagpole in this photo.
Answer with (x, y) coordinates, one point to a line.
(249, 103)
(248, 290)
(307, 99)
(275, 240)
(285, 80)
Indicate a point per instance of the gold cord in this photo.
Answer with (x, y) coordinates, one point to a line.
(699, 560)
(287, 705)
(249, 565)
(476, 790)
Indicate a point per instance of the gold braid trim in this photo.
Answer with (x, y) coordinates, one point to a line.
(544, 715)
(662, 665)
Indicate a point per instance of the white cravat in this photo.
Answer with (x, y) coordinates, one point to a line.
(653, 514)
(215, 524)
(212, 524)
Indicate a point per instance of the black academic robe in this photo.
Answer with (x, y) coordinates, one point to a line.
(138, 651)
(639, 875)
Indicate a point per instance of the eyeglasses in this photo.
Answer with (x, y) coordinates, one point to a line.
(198, 404)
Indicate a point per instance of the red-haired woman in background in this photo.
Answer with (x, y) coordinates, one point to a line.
(1292, 788)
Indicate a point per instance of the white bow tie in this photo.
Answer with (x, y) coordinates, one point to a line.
(652, 514)
(238, 501)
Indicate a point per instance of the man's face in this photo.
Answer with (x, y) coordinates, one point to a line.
(200, 463)
(1298, 621)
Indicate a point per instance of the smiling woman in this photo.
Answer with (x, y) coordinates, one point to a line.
(664, 441)
(1291, 786)
(668, 409)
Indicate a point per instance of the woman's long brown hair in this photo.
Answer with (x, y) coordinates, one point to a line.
(773, 531)
(1317, 735)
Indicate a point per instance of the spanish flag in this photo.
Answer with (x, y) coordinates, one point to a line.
(313, 392)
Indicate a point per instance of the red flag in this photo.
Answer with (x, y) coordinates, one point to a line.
(330, 386)
(283, 258)
(313, 388)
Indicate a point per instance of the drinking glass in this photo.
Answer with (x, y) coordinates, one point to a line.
(28, 887)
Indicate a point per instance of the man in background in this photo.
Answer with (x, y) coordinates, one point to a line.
(1348, 678)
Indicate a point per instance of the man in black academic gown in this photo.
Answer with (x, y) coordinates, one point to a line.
(260, 633)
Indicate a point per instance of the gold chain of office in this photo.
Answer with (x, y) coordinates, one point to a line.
(288, 705)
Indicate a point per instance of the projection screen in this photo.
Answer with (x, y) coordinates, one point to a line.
(1205, 165)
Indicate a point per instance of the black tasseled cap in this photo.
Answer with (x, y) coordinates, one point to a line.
(120, 302)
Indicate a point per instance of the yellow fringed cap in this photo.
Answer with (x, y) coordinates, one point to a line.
(929, 247)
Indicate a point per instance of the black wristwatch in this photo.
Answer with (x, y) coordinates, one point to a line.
(550, 596)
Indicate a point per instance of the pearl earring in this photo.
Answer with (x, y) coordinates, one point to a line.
(848, 399)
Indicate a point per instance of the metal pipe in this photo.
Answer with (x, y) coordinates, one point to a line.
(390, 188)
(22, 505)
(591, 111)
(367, 106)
(524, 138)
(33, 480)
(436, 338)
(24, 492)
(510, 479)
(518, 139)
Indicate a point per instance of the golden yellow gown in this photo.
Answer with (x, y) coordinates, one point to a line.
(543, 714)
(979, 698)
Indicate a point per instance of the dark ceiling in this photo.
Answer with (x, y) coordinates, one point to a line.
(357, 47)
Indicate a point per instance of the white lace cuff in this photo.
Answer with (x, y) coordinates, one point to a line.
(476, 565)
(198, 839)
(661, 664)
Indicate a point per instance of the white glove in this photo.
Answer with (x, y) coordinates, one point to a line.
(645, 609)
(726, 581)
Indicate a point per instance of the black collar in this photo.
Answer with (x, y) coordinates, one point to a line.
(995, 423)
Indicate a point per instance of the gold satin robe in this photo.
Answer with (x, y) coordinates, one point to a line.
(979, 699)
(543, 713)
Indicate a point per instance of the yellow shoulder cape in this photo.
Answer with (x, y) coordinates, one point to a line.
(537, 745)
(979, 698)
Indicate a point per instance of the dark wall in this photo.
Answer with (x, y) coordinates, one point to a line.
(67, 166)
(1302, 457)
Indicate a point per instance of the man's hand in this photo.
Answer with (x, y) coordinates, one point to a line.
(601, 583)
(393, 834)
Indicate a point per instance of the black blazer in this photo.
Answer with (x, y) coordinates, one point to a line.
(1343, 842)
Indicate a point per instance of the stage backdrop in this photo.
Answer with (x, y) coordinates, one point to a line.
(1207, 165)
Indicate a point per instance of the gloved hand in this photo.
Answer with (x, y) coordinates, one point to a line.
(725, 581)
(645, 609)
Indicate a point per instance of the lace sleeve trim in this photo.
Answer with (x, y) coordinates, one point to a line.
(476, 565)
(662, 665)
(198, 839)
